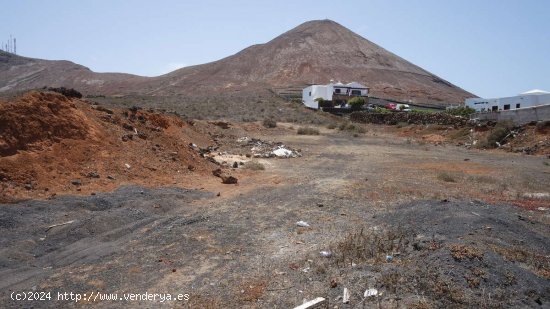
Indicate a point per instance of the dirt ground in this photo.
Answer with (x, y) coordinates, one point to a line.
(427, 224)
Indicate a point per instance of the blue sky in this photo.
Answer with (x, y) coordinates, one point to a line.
(489, 47)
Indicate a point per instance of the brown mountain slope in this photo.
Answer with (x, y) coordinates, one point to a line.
(316, 51)
(21, 73)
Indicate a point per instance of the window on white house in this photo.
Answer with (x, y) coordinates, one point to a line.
(337, 90)
(506, 107)
(310, 93)
(356, 92)
(518, 105)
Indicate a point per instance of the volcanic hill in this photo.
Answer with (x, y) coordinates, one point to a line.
(315, 51)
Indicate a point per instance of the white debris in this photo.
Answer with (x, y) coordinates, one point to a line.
(243, 139)
(538, 195)
(127, 165)
(345, 297)
(316, 303)
(370, 292)
(325, 253)
(302, 224)
(282, 152)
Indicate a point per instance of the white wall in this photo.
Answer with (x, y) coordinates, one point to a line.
(523, 100)
(311, 93)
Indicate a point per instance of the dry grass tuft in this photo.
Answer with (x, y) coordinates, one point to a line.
(307, 131)
(462, 252)
(254, 165)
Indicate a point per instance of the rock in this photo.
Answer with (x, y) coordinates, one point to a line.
(128, 127)
(235, 165)
(92, 175)
(76, 182)
(111, 177)
(28, 186)
(217, 172)
(333, 283)
(229, 179)
(191, 167)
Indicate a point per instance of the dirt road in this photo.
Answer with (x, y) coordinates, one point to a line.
(462, 228)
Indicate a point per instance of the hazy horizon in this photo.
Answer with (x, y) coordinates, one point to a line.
(492, 49)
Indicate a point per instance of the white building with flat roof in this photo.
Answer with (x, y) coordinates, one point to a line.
(530, 98)
(332, 94)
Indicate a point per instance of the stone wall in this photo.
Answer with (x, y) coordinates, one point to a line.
(408, 117)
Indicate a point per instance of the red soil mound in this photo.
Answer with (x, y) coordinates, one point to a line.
(50, 144)
(39, 119)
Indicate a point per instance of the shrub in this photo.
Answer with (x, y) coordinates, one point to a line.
(331, 126)
(381, 110)
(498, 134)
(68, 92)
(543, 126)
(446, 177)
(269, 123)
(319, 100)
(352, 127)
(308, 131)
(463, 111)
(254, 165)
(356, 102)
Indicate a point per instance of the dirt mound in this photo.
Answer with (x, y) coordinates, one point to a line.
(50, 144)
(40, 119)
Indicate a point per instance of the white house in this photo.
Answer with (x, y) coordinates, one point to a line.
(333, 94)
(534, 97)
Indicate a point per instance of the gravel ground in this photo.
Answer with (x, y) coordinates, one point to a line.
(453, 244)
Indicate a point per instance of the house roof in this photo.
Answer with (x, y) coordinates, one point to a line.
(535, 92)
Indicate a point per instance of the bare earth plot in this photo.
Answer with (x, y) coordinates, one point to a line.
(427, 226)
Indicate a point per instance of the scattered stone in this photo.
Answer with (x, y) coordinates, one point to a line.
(333, 283)
(191, 167)
(28, 186)
(235, 165)
(76, 182)
(217, 172)
(103, 109)
(111, 177)
(92, 175)
(128, 127)
(219, 193)
(222, 124)
(229, 179)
